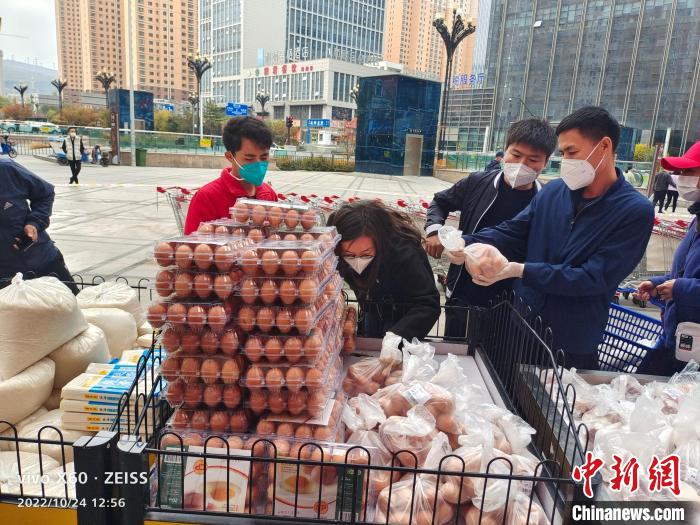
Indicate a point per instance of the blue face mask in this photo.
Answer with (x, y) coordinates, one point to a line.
(253, 173)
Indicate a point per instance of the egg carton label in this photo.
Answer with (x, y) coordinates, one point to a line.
(416, 395)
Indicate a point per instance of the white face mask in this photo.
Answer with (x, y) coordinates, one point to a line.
(72, 135)
(359, 264)
(579, 173)
(518, 174)
(688, 188)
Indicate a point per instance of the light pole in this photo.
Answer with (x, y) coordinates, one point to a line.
(262, 98)
(510, 99)
(60, 85)
(452, 38)
(194, 103)
(199, 65)
(21, 89)
(106, 80)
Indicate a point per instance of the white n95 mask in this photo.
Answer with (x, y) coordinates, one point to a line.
(688, 188)
(518, 174)
(359, 264)
(578, 173)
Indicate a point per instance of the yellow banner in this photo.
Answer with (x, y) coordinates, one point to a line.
(205, 143)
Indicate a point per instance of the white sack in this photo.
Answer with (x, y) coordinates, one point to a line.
(119, 328)
(112, 295)
(27, 391)
(52, 419)
(54, 400)
(74, 356)
(8, 445)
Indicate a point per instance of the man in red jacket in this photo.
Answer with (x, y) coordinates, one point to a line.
(247, 141)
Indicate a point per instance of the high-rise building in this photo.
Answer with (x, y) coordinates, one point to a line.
(296, 50)
(92, 37)
(640, 60)
(412, 40)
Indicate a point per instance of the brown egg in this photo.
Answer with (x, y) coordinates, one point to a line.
(246, 318)
(176, 392)
(323, 434)
(203, 285)
(265, 428)
(156, 315)
(164, 254)
(196, 317)
(240, 212)
(297, 402)
(217, 318)
(274, 378)
(203, 256)
(222, 230)
(212, 395)
(224, 257)
(284, 320)
(285, 430)
(291, 219)
(165, 283)
(303, 432)
(170, 368)
(170, 341)
(259, 214)
(258, 401)
(239, 421)
(277, 401)
(230, 372)
(268, 291)
(189, 342)
(288, 292)
(176, 314)
(302, 320)
(223, 286)
(325, 238)
(256, 235)
(206, 228)
(265, 319)
(270, 262)
(314, 378)
(183, 285)
(229, 342)
(249, 262)
(219, 421)
(307, 237)
(290, 263)
(317, 401)
(312, 347)
(274, 237)
(183, 256)
(200, 420)
(308, 290)
(189, 369)
(193, 394)
(274, 216)
(249, 291)
(232, 396)
(349, 344)
(253, 349)
(290, 237)
(234, 443)
(310, 262)
(254, 377)
(210, 370)
(293, 349)
(294, 379)
(181, 419)
(308, 219)
(273, 350)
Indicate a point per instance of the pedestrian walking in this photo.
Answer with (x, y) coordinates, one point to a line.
(672, 193)
(495, 164)
(661, 184)
(74, 149)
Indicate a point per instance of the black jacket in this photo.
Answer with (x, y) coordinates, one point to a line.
(493, 165)
(472, 197)
(663, 181)
(404, 296)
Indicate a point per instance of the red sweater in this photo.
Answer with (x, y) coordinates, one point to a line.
(213, 200)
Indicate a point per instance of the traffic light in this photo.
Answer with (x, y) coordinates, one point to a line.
(290, 122)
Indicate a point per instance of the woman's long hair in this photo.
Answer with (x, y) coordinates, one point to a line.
(386, 226)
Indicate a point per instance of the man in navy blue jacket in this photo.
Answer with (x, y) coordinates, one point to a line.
(576, 241)
(26, 202)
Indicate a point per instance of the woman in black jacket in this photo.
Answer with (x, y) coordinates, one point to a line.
(384, 263)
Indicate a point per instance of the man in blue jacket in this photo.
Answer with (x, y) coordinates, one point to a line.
(26, 202)
(576, 241)
(680, 290)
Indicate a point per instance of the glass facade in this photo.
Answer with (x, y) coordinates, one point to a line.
(638, 59)
(388, 109)
(220, 38)
(468, 119)
(350, 30)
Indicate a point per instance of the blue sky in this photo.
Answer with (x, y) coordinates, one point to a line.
(33, 22)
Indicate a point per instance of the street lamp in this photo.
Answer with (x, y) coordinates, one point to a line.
(21, 89)
(355, 93)
(452, 39)
(193, 99)
(522, 102)
(60, 85)
(262, 98)
(106, 80)
(199, 65)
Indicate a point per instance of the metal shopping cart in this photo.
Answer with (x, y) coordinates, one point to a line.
(179, 200)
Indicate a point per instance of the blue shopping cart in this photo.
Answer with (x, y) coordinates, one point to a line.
(628, 340)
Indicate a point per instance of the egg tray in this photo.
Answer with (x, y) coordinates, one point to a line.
(206, 341)
(207, 369)
(197, 395)
(196, 314)
(285, 291)
(274, 407)
(287, 319)
(196, 285)
(326, 234)
(285, 259)
(211, 420)
(274, 214)
(201, 252)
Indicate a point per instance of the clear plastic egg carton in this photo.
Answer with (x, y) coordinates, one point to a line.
(195, 315)
(196, 285)
(286, 259)
(317, 411)
(326, 234)
(288, 291)
(202, 368)
(277, 215)
(206, 341)
(211, 420)
(197, 395)
(200, 252)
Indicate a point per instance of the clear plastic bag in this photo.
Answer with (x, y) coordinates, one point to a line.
(414, 503)
(363, 412)
(517, 432)
(409, 438)
(367, 376)
(419, 363)
(391, 349)
(398, 399)
(525, 511)
(686, 424)
(451, 238)
(484, 260)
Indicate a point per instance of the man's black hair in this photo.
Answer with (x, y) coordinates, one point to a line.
(535, 132)
(592, 122)
(73, 128)
(250, 128)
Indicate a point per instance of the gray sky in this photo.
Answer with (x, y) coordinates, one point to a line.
(35, 20)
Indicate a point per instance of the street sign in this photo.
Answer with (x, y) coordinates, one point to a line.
(236, 110)
(168, 107)
(318, 123)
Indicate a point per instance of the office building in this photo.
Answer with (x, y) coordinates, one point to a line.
(640, 60)
(468, 119)
(93, 37)
(243, 37)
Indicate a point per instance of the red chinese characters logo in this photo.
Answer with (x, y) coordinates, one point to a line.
(665, 474)
(626, 475)
(586, 472)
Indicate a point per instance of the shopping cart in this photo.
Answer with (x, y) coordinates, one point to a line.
(179, 199)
